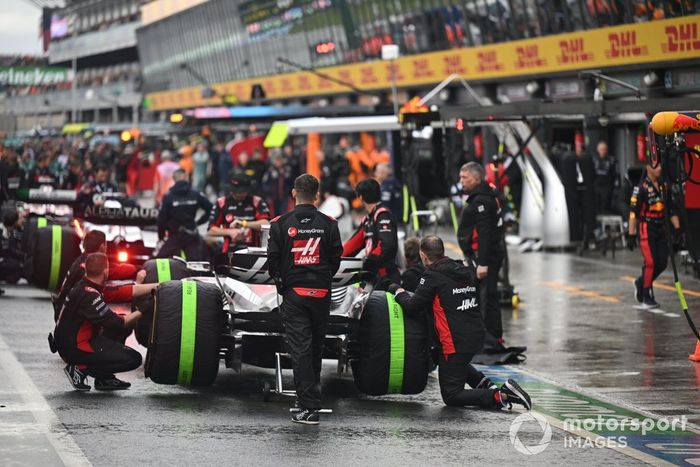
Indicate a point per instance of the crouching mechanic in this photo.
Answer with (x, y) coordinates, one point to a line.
(303, 255)
(79, 338)
(178, 217)
(448, 289)
(378, 236)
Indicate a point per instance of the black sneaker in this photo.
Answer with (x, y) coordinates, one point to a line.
(307, 417)
(638, 289)
(514, 394)
(76, 377)
(650, 304)
(111, 384)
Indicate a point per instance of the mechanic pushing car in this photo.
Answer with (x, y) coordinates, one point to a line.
(239, 217)
(449, 289)
(480, 236)
(95, 242)
(377, 234)
(303, 254)
(177, 218)
(79, 332)
(646, 218)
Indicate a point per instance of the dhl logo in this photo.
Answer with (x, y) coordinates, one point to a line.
(488, 62)
(573, 51)
(453, 64)
(681, 38)
(624, 44)
(529, 57)
(421, 68)
(367, 75)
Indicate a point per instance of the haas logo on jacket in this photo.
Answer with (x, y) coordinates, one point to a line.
(467, 304)
(292, 232)
(306, 251)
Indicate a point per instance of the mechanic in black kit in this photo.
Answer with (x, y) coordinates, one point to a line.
(178, 217)
(239, 217)
(480, 236)
(78, 335)
(304, 253)
(377, 234)
(448, 289)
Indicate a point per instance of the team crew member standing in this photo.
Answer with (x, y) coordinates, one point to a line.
(480, 236)
(239, 217)
(79, 338)
(177, 217)
(377, 234)
(303, 256)
(647, 211)
(448, 287)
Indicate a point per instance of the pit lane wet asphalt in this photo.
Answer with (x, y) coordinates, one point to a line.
(577, 319)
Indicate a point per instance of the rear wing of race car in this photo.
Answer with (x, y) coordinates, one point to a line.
(105, 208)
(250, 266)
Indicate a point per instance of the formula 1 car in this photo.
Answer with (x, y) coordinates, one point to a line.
(229, 310)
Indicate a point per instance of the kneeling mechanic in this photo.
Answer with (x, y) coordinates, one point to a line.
(448, 288)
(79, 338)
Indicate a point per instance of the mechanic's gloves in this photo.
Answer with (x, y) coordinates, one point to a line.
(393, 288)
(677, 237)
(631, 242)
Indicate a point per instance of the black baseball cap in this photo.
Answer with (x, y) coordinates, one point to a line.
(240, 183)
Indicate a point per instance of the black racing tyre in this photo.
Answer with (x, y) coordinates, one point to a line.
(54, 249)
(187, 325)
(391, 351)
(29, 229)
(157, 270)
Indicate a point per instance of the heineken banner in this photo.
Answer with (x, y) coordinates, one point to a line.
(33, 76)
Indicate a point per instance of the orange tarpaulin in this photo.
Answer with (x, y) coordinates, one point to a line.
(312, 146)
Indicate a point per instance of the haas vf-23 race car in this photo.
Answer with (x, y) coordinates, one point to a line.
(231, 313)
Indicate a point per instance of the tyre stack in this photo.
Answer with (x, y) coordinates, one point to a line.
(390, 349)
(157, 271)
(187, 324)
(53, 250)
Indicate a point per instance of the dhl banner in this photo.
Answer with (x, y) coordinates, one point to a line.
(655, 41)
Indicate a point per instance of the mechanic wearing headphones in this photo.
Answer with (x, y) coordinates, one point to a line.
(177, 217)
(239, 217)
(377, 234)
(448, 289)
(79, 338)
(303, 255)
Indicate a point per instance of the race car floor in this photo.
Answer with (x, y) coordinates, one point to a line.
(590, 353)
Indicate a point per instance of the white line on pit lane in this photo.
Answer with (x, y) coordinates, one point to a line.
(46, 420)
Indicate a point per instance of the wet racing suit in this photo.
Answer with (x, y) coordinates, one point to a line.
(177, 217)
(448, 289)
(78, 336)
(227, 209)
(303, 256)
(480, 236)
(378, 236)
(647, 206)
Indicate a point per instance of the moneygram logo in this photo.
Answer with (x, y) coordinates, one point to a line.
(528, 418)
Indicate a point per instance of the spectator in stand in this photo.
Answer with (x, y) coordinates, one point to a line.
(164, 175)
(277, 185)
(201, 167)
